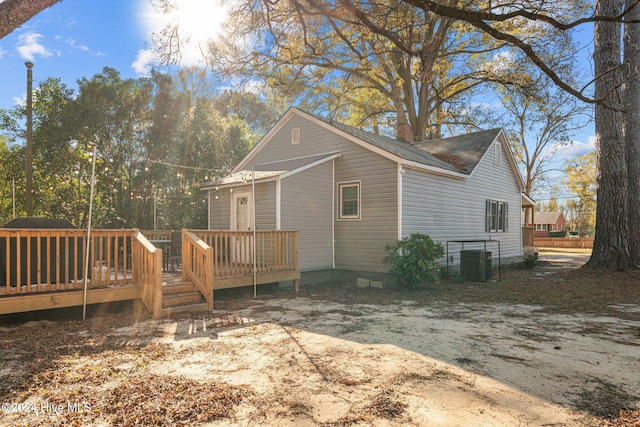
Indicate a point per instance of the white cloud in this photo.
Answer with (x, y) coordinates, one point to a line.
(576, 148)
(501, 61)
(29, 46)
(145, 60)
(75, 45)
(20, 100)
(2, 52)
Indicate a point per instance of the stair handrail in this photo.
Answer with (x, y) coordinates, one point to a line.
(147, 272)
(197, 264)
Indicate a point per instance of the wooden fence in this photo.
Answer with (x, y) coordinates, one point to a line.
(564, 242)
(527, 237)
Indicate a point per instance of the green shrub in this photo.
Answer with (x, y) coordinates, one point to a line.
(530, 257)
(558, 233)
(412, 260)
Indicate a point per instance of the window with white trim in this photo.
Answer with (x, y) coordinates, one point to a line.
(497, 216)
(349, 200)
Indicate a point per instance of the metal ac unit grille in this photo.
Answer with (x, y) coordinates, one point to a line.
(475, 265)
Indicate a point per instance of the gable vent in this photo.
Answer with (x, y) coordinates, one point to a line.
(498, 154)
(295, 136)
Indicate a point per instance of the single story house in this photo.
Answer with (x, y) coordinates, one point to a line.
(349, 192)
(546, 222)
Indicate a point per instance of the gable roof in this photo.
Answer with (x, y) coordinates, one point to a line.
(465, 151)
(458, 160)
(546, 217)
(393, 146)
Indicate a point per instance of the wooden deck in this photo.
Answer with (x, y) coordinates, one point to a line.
(44, 269)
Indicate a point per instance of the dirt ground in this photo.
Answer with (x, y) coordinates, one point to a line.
(551, 346)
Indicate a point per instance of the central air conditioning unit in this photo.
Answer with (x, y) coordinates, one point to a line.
(475, 265)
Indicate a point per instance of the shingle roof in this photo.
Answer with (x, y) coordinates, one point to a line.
(459, 153)
(546, 217)
(394, 146)
(465, 151)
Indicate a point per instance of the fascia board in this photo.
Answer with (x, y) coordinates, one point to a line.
(433, 169)
(239, 184)
(266, 138)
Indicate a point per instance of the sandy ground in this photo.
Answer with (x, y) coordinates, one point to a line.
(313, 363)
(444, 365)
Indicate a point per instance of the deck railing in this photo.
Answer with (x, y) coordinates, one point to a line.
(35, 261)
(234, 251)
(44, 260)
(157, 234)
(41, 260)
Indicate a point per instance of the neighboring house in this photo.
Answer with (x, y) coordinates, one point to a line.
(349, 192)
(545, 222)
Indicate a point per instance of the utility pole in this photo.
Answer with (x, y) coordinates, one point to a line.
(29, 154)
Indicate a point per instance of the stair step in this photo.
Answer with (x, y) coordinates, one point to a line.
(181, 298)
(178, 287)
(168, 311)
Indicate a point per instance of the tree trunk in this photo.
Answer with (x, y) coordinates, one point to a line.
(611, 245)
(632, 126)
(14, 13)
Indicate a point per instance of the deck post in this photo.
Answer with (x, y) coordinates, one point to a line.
(296, 286)
(156, 283)
(208, 262)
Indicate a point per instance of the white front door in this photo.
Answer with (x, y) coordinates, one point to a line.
(241, 210)
(242, 220)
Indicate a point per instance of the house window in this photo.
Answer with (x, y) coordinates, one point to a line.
(497, 216)
(295, 136)
(541, 227)
(349, 203)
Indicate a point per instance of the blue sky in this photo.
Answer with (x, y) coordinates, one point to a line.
(73, 39)
(78, 38)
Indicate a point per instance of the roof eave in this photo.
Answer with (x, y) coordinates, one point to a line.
(433, 169)
(214, 185)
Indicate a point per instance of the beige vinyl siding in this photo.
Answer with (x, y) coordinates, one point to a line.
(448, 209)
(360, 242)
(265, 205)
(306, 207)
(219, 215)
(314, 140)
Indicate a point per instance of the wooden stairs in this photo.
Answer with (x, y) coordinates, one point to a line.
(180, 296)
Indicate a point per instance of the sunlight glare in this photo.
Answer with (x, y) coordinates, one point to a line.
(199, 21)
